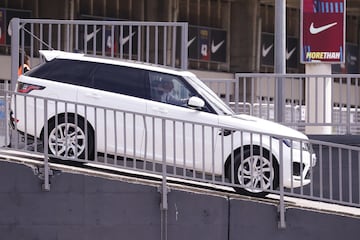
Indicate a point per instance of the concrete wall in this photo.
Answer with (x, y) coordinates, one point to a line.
(81, 207)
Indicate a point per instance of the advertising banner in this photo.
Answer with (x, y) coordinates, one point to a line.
(206, 44)
(2, 27)
(12, 13)
(267, 51)
(218, 46)
(323, 31)
(192, 44)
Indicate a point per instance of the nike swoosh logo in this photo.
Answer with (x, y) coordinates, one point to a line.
(126, 39)
(215, 48)
(191, 41)
(89, 36)
(289, 54)
(316, 30)
(265, 51)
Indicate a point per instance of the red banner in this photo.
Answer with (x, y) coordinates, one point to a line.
(323, 31)
(2, 27)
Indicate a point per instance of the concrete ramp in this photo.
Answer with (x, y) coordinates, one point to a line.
(91, 204)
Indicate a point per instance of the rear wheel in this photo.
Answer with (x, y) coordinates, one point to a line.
(69, 140)
(255, 172)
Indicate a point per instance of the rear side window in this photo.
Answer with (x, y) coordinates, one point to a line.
(120, 79)
(65, 71)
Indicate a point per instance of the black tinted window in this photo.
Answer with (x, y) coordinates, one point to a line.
(119, 79)
(66, 71)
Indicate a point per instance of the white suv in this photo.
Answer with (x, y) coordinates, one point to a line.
(95, 105)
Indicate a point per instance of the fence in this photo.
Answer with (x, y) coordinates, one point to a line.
(159, 43)
(187, 150)
(315, 104)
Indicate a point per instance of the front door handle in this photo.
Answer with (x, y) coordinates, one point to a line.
(161, 110)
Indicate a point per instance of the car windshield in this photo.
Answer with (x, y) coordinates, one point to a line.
(219, 106)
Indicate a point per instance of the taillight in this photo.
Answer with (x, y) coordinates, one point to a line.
(26, 88)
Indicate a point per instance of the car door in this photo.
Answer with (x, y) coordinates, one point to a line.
(117, 101)
(178, 134)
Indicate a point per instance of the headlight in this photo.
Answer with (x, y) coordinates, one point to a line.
(295, 144)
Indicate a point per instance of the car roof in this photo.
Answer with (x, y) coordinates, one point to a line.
(52, 54)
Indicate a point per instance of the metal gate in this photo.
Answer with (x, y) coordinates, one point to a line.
(162, 43)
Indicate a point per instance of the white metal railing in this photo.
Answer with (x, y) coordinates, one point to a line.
(162, 43)
(183, 149)
(315, 104)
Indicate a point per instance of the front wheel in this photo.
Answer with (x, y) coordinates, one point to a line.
(255, 172)
(68, 139)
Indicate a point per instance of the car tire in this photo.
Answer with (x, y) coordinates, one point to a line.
(255, 172)
(69, 140)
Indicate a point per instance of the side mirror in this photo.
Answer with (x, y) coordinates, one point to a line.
(196, 102)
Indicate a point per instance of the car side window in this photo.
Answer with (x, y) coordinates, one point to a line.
(120, 79)
(65, 71)
(169, 89)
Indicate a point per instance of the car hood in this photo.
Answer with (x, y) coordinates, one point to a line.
(251, 123)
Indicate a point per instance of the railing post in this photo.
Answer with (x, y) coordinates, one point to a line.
(163, 189)
(46, 184)
(281, 208)
(348, 105)
(184, 48)
(237, 94)
(15, 39)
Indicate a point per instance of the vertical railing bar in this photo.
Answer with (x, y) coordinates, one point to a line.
(174, 47)
(348, 105)
(106, 153)
(139, 52)
(50, 36)
(321, 169)
(41, 36)
(165, 46)
(67, 41)
(76, 37)
(58, 37)
(316, 106)
(147, 44)
(104, 41)
(86, 129)
(203, 150)
(340, 174)
(130, 42)
(125, 140)
(94, 40)
(184, 148)
(174, 145)
(121, 44)
(350, 175)
(112, 48)
(85, 39)
(156, 44)
(237, 95)
(330, 173)
(46, 185)
(282, 223)
(95, 135)
(32, 42)
(134, 139)
(193, 150)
